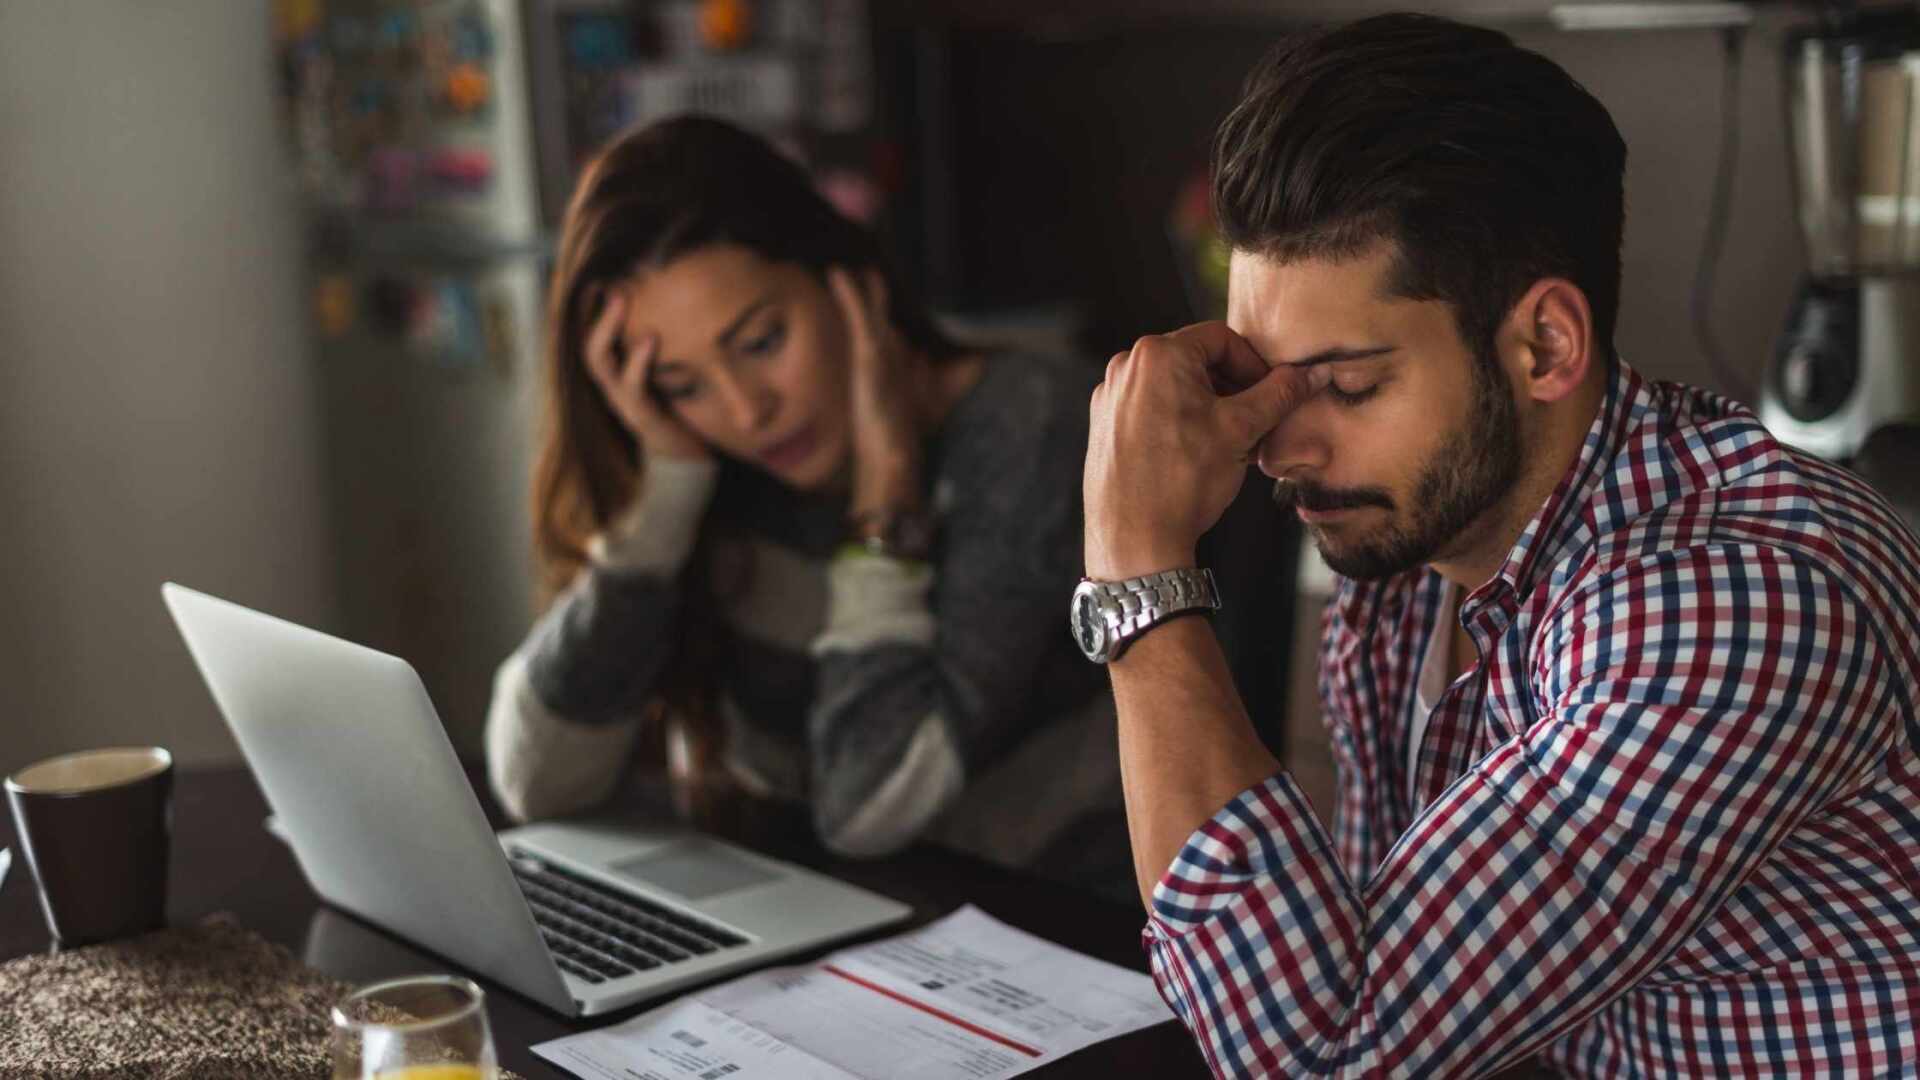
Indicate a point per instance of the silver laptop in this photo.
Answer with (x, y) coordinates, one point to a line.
(580, 917)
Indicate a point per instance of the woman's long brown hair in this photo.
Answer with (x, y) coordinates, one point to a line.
(654, 194)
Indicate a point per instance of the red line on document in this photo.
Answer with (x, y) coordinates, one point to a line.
(926, 1008)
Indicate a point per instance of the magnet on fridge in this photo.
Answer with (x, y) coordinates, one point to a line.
(424, 330)
(596, 42)
(391, 179)
(463, 302)
(472, 37)
(333, 307)
(397, 28)
(467, 87)
(460, 172)
(725, 24)
(295, 19)
(459, 341)
(390, 303)
(496, 326)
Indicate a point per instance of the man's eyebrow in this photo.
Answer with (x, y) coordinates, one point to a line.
(740, 320)
(1334, 356)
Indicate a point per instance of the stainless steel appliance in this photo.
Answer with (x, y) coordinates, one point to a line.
(1848, 362)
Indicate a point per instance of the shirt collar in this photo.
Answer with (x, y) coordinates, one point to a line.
(1567, 521)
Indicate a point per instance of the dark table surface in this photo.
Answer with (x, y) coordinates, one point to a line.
(225, 861)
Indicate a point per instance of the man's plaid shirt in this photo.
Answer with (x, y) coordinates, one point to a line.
(1668, 826)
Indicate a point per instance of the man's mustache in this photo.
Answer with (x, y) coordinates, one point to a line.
(1289, 493)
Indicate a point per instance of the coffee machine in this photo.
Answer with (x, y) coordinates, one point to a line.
(1848, 362)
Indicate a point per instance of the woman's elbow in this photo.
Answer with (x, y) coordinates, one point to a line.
(862, 814)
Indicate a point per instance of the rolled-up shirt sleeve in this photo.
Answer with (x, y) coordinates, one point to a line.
(1694, 707)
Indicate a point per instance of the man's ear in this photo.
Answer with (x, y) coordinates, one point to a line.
(1550, 340)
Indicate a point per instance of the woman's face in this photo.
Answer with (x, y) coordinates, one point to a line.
(752, 359)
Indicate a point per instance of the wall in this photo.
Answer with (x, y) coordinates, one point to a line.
(156, 413)
(1068, 148)
(1663, 89)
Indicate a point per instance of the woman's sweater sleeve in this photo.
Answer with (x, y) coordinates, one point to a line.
(928, 673)
(567, 703)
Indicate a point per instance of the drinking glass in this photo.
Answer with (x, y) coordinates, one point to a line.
(427, 1027)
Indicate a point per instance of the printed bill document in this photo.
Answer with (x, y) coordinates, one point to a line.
(964, 998)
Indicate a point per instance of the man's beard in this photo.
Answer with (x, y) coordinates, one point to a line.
(1475, 468)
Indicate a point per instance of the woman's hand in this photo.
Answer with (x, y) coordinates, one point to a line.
(625, 386)
(890, 387)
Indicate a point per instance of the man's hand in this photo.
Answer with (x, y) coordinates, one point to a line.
(1171, 430)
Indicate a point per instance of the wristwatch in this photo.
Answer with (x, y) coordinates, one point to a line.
(1107, 616)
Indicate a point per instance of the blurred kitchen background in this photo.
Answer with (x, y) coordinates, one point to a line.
(270, 273)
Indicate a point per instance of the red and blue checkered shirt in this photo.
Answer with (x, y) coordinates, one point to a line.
(1669, 825)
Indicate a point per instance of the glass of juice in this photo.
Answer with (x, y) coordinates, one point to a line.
(424, 1027)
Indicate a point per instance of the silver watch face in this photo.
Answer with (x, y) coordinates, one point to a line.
(1089, 629)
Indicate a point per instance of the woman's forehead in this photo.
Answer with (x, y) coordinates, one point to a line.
(692, 300)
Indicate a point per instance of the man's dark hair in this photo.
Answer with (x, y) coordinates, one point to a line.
(1486, 165)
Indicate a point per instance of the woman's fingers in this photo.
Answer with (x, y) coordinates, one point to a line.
(603, 363)
(638, 376)
(856, 310)
(886, 336)
(623, 382)
(876, 297)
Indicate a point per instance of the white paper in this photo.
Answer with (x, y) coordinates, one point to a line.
(684, 1041)
(966, 998)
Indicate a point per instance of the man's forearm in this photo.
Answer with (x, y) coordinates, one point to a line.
(1186, 745)
(1167, 451)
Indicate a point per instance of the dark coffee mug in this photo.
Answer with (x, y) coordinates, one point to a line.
(96, 827)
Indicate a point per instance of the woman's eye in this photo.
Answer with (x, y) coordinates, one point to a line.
(1352, 397)
(766, 342)
(677, 391)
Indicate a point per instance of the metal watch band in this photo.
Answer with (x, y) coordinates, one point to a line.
(1126, 609)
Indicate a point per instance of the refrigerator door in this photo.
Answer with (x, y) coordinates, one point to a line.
(429, 444)
(409, 125)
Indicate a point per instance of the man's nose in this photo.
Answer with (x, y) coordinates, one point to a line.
(1293, 445)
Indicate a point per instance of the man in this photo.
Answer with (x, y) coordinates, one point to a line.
(1622, 691)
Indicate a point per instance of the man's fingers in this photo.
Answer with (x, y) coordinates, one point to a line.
(1259, 408)
(1232, 362)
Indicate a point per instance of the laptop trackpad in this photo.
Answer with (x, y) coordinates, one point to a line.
(695, 869)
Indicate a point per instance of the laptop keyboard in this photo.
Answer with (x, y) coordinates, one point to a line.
(596, 933)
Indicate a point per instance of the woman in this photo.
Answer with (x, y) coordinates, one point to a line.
(776, 506)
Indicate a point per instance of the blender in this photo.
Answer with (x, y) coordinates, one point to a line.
(1848, 363)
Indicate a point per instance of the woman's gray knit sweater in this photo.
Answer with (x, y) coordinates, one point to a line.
(893, 699)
